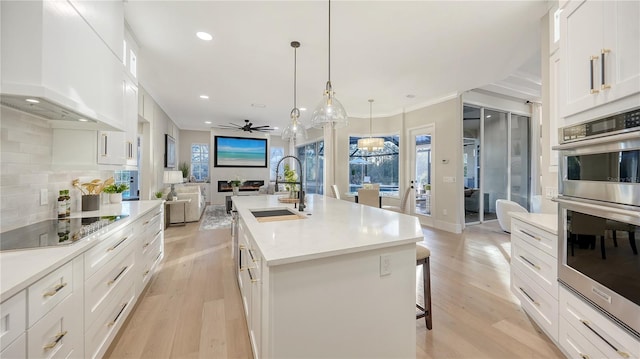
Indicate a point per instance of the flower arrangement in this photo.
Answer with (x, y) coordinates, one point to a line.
(94, 187)
(236, 182)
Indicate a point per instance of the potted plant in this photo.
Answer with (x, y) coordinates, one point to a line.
(115, 191)
(184, 167)
(158, 194)
(91, 192)
(235, 185)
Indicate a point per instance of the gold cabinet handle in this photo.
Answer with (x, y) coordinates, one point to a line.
(242, 247)
(145, 273)
(117, 244)
(55, 290)
(603, 83)
(55, 342)
(584, 356)
(146, 245)
(115, 320)
(592, 86)
(528, 296)
(530, 263)
(530, 235)
(621, 353)
(251, 279)
(118, 276)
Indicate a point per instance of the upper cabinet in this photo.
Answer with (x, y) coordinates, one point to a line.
(131, 122)
(600, 54)
(69, 53)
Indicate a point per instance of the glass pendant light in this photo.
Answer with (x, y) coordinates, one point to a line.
(330, 110)
(294, 129)
(371, 144)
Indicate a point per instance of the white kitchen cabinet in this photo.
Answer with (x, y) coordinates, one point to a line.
(150, 246)
(145, 105)
(534, 268)
(586, 331)
(600, 55)
(106, 18)
(14, 320)
(111, 149)
(130, 111)
(17, 349)
(50, 51)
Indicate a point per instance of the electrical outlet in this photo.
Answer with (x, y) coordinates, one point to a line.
(385, 265)
(44, 196)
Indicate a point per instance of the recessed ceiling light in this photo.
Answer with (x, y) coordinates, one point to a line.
(276, 128)
(204, 36)
(207, 122)
(32, 100)
(204, 97)
(83, 120)
(259, 105)
(488, 116)
(302, 109)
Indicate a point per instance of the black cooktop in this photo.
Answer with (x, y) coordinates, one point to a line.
(54, 232)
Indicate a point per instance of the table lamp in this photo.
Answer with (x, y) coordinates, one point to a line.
(172, 177)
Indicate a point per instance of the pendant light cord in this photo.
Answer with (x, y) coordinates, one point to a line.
(295, 70)
(370, 121)
(329, 41)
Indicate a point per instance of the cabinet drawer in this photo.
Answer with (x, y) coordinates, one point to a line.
(537, 265)
(100, 286)
(58, 334)
(543, 240)
(99, 335)
(149, 240)
(47, 292)
(149, 266)
(107, 249)
(14, 319)
(605, 335)
(574, 344)
(17, 349)
(539, 304)
(151, 221)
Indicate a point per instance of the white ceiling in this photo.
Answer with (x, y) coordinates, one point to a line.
(384, 50)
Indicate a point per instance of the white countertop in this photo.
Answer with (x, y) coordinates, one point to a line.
(545, 221)
(21, 268)
(332, 227)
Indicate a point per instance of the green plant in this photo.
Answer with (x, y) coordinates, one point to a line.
(158, 194)
(236, 182)
(290, 176)
(184, 167)
(116, 188)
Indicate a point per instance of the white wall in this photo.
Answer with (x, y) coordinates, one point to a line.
(26, 148)
(228, 173)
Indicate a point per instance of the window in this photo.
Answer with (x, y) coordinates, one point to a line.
(133, 63)
(380, 166)
(312, 157)
(200, 162)
(275, 155)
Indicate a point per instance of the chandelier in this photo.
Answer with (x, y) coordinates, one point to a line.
(370, 144)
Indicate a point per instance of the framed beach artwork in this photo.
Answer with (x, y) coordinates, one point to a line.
(240, 152)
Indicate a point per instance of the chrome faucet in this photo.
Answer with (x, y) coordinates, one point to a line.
(301, 205)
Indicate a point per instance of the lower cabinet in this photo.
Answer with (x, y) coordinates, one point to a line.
(585, 332)
(76, 310)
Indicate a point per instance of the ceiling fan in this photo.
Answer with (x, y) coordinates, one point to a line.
(247, 127)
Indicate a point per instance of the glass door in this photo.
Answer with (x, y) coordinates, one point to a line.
(421, 203)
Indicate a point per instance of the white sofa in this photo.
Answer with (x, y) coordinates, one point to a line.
(194, 208)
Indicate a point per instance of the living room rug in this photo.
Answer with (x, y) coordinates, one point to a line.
(215, 217)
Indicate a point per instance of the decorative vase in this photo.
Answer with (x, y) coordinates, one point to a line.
(91, 202)
(115, 197)
(236, 190)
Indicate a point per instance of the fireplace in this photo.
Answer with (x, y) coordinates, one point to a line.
(247, 186)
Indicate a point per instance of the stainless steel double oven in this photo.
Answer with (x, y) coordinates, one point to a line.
(599, 215)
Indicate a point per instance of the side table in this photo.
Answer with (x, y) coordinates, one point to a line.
(167, 212)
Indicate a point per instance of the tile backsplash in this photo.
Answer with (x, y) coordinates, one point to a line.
(26, 168)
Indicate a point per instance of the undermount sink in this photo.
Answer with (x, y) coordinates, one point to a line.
(275, 214)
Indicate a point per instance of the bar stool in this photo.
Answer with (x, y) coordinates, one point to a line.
(422, 258)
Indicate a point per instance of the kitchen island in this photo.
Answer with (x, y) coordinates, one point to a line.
(334, 281)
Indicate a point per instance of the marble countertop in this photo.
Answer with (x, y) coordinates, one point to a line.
(330, 227)
(545, 221)
(21, 268)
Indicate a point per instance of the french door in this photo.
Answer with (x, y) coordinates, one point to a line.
(421, 176)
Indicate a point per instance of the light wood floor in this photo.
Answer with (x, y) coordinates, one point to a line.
(192, 307)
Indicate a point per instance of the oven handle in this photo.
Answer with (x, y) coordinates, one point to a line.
(609, 207)
(634, 135)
